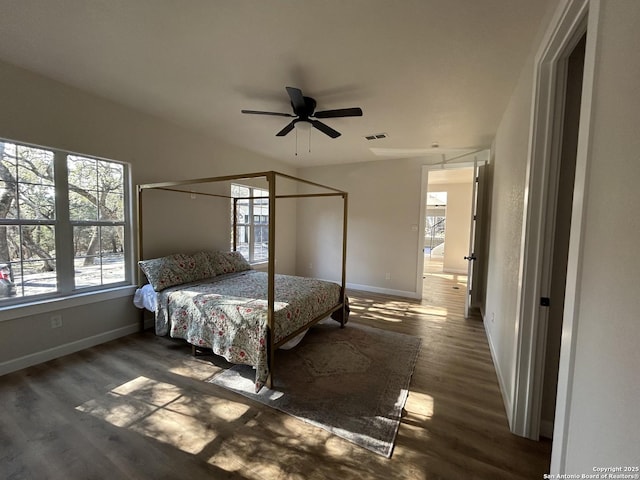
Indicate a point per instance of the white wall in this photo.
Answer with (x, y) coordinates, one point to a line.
(40, 111)
(383, 236)
(510, 152)
(384, 219)
(604, 421)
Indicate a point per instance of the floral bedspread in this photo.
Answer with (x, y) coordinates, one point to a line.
(228, 313)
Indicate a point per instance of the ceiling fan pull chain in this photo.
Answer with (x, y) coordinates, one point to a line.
(309, 140)
(296, 142)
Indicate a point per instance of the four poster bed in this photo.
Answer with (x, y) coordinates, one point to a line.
(215, 300)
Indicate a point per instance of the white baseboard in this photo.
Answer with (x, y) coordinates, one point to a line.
(384, 291)
(65, 349)
(506, 398)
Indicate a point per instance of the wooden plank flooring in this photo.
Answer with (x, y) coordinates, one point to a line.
(140, 408)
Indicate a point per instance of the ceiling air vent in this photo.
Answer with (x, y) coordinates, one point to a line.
(376, 136)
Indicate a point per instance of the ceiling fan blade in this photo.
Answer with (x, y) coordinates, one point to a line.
(257, 112)
(341, 112)
(297, 99)
(326, 129)
(286, 129)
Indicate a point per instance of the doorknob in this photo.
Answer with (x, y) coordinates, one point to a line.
(471, 257)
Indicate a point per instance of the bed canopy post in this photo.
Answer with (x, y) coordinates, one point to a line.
(343, 293)
(271, 293)
(139, 279)
(234, 235)
(139, 217)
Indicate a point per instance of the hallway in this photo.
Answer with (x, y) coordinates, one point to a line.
(441, 289)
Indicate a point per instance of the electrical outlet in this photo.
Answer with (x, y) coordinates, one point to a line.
(56, 321)
(387, 276)
(493, 317)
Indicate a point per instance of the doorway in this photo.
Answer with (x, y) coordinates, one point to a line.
(557, 143)
(435, 229)
(441, 286)
(447, 216)
(447, 210)
(560, 229)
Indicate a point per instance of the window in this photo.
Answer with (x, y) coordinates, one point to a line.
(435, 221)
(63, 223)
(252, 227)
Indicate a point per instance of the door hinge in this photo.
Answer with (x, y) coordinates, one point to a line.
(545, 301)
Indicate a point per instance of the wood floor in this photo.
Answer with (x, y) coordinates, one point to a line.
(140, 408)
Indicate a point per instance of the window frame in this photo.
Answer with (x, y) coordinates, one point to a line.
(250, 222)
(64, 233)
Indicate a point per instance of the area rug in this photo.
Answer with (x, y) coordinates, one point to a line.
(352, 382)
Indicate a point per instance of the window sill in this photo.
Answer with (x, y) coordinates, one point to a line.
(261, 266)
(11, 312)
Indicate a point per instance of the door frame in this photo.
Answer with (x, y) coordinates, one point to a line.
(480, 157)
(569, 23)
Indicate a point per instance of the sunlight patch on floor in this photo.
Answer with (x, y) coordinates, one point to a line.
(164, 412)
(433, 311)
(419, 406)
(192, 368)
(397, 311)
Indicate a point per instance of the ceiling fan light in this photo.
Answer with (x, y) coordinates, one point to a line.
(303, 125)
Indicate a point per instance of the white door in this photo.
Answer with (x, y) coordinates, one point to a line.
(471, 257)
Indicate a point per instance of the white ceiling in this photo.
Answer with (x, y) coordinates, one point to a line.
(450, 175)
(423, 71)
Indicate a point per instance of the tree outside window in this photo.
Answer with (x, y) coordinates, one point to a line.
(62, 221)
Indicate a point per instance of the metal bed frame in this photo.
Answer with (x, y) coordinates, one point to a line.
(270, 177)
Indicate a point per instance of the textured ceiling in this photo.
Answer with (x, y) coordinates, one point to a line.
(423, 71)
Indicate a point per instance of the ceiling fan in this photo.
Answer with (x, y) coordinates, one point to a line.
(304, 111)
